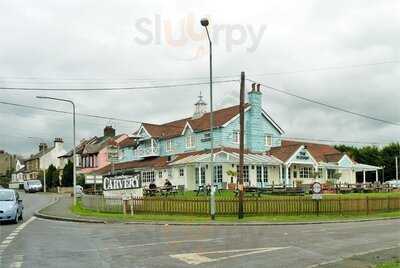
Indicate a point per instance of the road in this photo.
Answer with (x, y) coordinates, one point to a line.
(32, 202)
(45, 243)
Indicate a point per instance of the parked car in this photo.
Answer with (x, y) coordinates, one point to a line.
(33, 186)
(393, 183)
(11, 207)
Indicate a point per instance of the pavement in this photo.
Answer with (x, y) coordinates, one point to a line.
(47, 243)
(60, 209)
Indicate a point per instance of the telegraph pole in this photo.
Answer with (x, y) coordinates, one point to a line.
(397, 170)
(241, 153)
(44, 180)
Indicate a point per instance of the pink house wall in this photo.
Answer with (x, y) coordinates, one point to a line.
(102, 157)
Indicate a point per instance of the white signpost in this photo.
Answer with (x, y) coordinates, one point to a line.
(316, 188)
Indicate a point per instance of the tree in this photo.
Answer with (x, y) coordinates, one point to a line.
(232, 174)
(373, 155)
(80, 180)
(52, 177)
(67, 179)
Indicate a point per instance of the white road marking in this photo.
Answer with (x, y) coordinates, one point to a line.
(18, 261)
(16, 264)
(198, 258)
(153, 244)
(7, 241)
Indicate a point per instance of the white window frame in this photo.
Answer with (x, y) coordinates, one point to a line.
(168, 146)
(148, 176)
(246, 172)
(305, 172)
(236, 136)
(268, 140)
(190, 141)
(218, 174)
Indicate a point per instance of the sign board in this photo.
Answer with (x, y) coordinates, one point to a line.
(113, 154)
(122, 182)
(316, 188)
(302, 155)
(91, 179)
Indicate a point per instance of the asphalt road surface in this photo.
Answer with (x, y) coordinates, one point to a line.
(45, 243)
(32, 202)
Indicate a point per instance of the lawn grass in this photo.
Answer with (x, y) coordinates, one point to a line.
(108, 216)
(393, 264)
(231, 195)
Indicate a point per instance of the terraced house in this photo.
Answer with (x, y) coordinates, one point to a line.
(180, 151)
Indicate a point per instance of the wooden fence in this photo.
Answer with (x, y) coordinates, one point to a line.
(300, 205)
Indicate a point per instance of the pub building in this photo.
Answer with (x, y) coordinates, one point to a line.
(180, 152)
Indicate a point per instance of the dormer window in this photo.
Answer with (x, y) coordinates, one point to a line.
(190, 141)
(168, 146)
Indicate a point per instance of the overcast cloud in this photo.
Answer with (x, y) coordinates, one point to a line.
(94, 44)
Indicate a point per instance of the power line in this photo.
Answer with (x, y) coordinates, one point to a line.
(328, 68)
(180, 127)
(81, 114)
(328, 105)
(103, 79)
(66, 112)
(117, 88)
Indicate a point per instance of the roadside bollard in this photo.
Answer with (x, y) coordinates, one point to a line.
(124, 206)
(132, 206)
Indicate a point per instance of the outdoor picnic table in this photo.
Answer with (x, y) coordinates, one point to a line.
(206, 189)
(254, 190)
(168, 190)
(152, 191)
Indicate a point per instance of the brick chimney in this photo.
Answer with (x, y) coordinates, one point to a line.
(109, 131)
(254, 133)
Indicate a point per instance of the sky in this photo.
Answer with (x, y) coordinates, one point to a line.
(343, 53)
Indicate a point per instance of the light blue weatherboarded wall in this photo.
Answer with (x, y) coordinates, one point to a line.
(257, 127)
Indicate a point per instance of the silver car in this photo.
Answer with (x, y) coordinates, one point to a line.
(11, 207)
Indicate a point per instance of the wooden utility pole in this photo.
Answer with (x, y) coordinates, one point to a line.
(241, 153)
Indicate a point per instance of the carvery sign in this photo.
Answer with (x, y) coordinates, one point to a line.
(122, 182)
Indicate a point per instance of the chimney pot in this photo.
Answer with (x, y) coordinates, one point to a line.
(253, 86)
(258, 87)
(109, 131)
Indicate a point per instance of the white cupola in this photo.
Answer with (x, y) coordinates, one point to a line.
(200, 108)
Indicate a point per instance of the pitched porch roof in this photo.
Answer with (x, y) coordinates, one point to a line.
(227, 155)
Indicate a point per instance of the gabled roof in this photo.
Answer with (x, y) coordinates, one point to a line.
(129, 142)
(320, 152)
(175, 128)
(96, 144)
(40, 154)
(162, 161)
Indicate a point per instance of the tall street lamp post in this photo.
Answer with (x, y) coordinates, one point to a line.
(74, 132)
(204, 22)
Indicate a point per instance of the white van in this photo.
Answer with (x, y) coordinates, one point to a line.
(33, 186)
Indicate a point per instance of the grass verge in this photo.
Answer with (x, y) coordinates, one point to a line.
(394, 264)
(108, 216)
